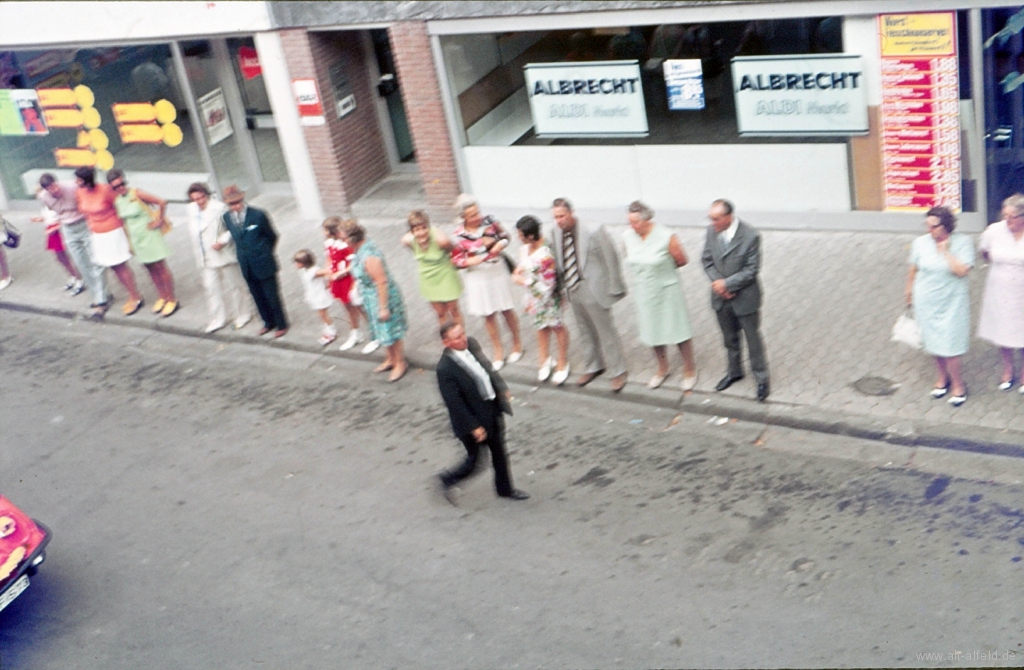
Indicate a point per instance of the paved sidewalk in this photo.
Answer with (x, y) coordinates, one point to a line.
(830, 302)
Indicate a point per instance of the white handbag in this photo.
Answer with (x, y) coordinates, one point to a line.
(906, 331)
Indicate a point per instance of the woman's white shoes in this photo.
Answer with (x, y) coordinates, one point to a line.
(656, 381)
(371, 346)
(354, 338)
(689, 383)
(497, 365)
(514, 357)
(545, 370)
(559, 377)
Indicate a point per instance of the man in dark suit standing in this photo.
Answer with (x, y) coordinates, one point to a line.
(476, 397)
(255, 240)
(732, 260)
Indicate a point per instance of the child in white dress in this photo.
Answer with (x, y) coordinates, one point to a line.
(315, 291)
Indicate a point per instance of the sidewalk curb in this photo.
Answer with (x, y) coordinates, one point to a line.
(890, 430)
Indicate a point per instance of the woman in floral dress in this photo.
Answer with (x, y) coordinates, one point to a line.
(382, 298)
(537, 272)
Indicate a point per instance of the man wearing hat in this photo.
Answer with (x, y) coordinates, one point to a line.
(255, 240)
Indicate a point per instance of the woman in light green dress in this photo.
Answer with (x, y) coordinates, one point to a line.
(439, 280)
(654, 253)
(938, 290)
(148, 244)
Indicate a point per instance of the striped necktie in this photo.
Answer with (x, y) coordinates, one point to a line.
(570, 268)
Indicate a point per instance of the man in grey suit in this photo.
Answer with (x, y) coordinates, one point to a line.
(732, 260)
(592, 278)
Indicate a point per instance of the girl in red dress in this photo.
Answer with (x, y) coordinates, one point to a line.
(342, 286)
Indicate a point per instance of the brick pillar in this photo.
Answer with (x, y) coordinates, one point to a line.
(424, 109)
(301, 65)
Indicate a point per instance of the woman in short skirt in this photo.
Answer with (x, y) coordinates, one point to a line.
(108, 242)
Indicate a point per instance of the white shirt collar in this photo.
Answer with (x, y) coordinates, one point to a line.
(472, 365)
(730, 232)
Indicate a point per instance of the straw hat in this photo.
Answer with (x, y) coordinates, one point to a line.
(233, 194)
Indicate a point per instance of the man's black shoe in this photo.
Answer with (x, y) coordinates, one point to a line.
(762, 391)
(726, 382)
(517, 495)
(448, 492)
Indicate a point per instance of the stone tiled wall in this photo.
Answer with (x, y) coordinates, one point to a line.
(425, 111)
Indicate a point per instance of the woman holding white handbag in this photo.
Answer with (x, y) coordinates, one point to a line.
(938, 290)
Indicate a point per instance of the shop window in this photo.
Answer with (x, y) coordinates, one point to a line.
(104, 107)
(486, 76)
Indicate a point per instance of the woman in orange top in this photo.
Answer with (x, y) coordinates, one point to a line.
(108, 242)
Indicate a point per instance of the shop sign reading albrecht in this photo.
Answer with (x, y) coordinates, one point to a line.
(800, 95)
(598, 99)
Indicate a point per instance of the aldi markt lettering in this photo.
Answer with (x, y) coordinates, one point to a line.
(800, 95)
(599, 99)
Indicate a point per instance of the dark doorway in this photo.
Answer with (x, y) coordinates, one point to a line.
(390, 89)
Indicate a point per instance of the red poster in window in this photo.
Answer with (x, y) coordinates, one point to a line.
(920, 111)
(249, 63)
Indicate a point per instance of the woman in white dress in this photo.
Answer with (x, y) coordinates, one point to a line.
(477, 246)
(1002, 308)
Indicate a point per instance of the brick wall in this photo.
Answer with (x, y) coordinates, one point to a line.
(348, 154)
(425, 111)
(358, 143)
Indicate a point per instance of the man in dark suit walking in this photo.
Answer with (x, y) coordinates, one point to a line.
(476, 397)
(732, 260)
(255, 239)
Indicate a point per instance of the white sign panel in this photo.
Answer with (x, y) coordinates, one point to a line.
(597, 99)
(684, 83)
(800, 95)
(215, 116)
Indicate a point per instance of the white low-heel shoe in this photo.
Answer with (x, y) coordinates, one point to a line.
(559, 377)
(497, 365)
(689, 383)
(514, 357)
(545, 370)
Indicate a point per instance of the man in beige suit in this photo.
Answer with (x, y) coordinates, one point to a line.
(591, 273)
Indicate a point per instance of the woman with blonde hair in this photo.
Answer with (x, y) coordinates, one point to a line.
(478, 243)
(439, 280)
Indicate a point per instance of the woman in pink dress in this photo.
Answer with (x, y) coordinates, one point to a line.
(1002, 308)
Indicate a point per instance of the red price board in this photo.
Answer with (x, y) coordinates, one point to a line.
(920, 111)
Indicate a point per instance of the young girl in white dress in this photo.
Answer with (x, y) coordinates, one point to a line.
(314, 286)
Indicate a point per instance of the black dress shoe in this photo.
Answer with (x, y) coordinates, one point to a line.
(726, 382)
(517, 495)
(448, 492)
(762, 391)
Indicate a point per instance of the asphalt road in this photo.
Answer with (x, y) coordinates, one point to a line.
(233, 506)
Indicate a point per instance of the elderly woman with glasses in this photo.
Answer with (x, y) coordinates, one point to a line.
(938, 290)
(148, 244)
(1002, 307)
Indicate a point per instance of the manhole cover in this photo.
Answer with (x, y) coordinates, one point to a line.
(875, 386)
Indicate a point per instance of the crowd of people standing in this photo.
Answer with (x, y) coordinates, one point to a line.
(570, 266)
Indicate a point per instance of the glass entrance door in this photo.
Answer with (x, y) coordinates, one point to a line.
(389, 88)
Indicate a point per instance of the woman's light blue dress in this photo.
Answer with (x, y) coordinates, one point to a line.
(942, 301)
(660, 304)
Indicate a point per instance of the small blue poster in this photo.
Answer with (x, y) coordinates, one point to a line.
(684, 82)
